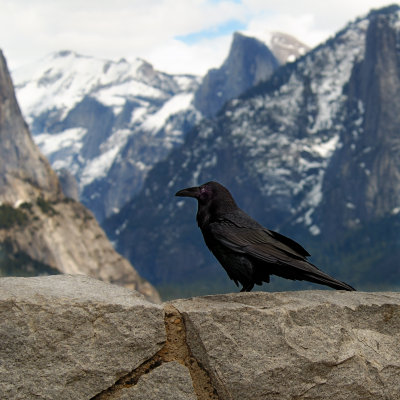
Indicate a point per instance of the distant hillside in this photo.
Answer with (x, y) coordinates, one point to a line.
(108, 123)
(313, 152)
(105, 122)
(42, 231)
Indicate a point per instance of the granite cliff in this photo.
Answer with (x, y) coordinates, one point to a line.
(24, 172)
(249, 62)
(109, 122)
(41, 230)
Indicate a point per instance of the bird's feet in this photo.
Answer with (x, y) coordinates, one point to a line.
(247, 287)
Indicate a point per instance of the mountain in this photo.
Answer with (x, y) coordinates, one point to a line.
(370, 142)
(311, 153)
(285, 47)
(24, 172)
(250, 61)
(238, 73)
(41, 230)
(105, 122)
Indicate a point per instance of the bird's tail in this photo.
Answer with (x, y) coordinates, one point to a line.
(320, 277)
(303, 270)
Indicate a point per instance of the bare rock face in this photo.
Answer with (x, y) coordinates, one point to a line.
(24, 172)
(368, 159)
(286, 48)
(297, 345)
(64, 237)
(248, 63)
(42, 231)
(69, 337)
(69, 184)
(170, 381)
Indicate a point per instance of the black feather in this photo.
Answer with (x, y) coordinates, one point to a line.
(249, 252)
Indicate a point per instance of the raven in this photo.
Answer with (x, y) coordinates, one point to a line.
(249, 252)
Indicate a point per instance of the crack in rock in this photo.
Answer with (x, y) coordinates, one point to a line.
(174, 349)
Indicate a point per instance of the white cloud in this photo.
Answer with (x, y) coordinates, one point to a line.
(302, 26)
(179, 57)
(148, 29)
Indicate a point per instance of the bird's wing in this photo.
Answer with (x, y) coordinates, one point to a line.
(257, 241)
(285, 257)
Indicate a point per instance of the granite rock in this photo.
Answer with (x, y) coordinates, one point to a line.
(297, 345)
(170, 381)
(71, 337)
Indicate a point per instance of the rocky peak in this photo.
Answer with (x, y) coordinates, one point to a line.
(285, 47)
(106, 122)
(24, 172)
(357, 179)
(311, 153)
(146, 70)
(249, 62)
(42, 231)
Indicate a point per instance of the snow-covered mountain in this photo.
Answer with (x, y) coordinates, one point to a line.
(41, 231)
(105, 122)
(250, 61)
(312, 152)
(285, 47)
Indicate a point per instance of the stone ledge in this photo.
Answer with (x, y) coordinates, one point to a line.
(70, 337)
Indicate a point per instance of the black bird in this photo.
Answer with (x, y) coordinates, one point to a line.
(249, 252)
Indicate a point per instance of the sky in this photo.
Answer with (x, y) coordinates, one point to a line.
(176, 36)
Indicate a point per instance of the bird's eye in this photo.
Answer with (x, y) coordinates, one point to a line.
(204, 193)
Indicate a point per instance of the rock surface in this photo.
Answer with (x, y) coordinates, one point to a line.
(70, 337)
(249, 62)
(65, 237)
(285, 47)
(42, 231)
(297, 345)
(170, 381)
(66, 337)
(24, 172)
(69, 184)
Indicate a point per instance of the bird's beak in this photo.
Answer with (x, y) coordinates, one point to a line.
(189, 192)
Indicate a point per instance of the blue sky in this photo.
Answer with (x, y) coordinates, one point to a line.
(226, 28)
(176, 36)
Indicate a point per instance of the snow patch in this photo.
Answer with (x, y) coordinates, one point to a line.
(51, 142)
(98, 167)
(325, 149)
(174, 105)
(116, 95)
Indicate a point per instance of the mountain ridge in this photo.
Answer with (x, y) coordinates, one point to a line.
(108, 122)
(274, 147)
(42, 231)
(84, 112)
(22, 167)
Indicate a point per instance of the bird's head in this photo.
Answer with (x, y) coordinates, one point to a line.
(205, 193)
(213, 200)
